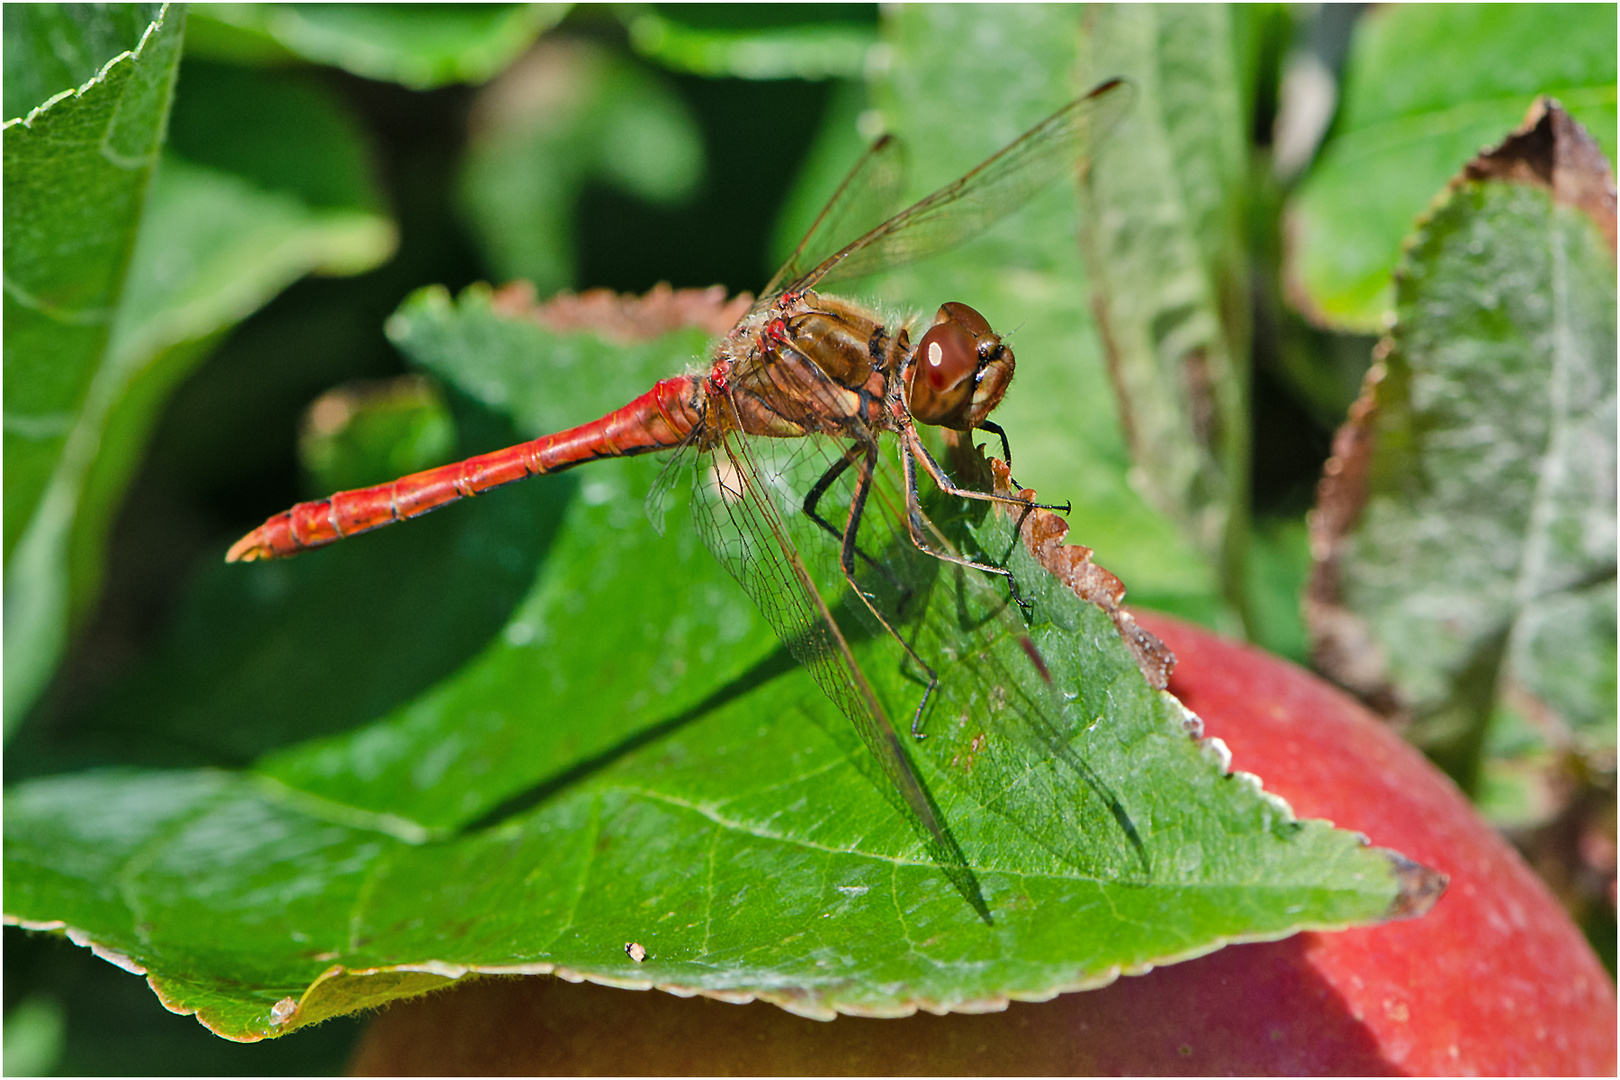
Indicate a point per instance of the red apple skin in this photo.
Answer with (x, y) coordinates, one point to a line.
(1494, 980)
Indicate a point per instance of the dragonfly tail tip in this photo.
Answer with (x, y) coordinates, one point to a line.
(247, 549)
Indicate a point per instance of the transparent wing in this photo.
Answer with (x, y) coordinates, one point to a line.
(676, 465)
(991, 191)
(1026, 731)
(996, 722)
(746, 493)
(867, 196)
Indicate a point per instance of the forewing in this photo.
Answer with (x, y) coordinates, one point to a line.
(996, 722)
(868, 195)
(994, 189)
(745, 491)
(1010, 734)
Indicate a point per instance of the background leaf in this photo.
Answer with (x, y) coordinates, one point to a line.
(34, 1032)
(568, 114)
(216, 240)
(1426, 87)
(1164, 242)
(720, 42)
(76, 176)
(370, 433)
(1468, 536)
(415, 46)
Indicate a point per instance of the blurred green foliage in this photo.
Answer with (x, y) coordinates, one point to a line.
(1428, 85)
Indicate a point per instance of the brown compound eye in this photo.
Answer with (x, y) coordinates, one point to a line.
(946, 355)
(950, 365)
(965, 316)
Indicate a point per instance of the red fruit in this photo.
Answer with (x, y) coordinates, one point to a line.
(1494, 980)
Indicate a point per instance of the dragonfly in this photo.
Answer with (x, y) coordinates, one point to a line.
(796, 396)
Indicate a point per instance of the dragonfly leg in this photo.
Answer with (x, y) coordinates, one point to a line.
(921, 526)
(1006, 447)
(948, 486)
(999, 432)
(837, 469)
(857, 506)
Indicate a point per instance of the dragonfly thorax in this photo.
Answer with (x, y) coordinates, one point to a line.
(959, 370)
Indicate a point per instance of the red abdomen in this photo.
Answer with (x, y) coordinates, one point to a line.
(657, 420)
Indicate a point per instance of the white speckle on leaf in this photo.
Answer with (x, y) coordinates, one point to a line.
(597, 493)
(1189, 858)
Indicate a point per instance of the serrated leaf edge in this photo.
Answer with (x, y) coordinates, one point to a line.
(95, 80)
(1342, 643)
(1420, 887)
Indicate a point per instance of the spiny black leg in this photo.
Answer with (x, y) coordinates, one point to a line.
(920, 525)
(813, 498)
(1006, 447)
(949, 487)
(1018, 598)
(857, 506)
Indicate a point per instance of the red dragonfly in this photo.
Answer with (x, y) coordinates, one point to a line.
(797, 394)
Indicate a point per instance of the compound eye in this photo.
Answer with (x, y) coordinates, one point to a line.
(946, 354)
(976, 324)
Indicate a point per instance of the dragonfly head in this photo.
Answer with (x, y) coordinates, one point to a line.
(959, 371)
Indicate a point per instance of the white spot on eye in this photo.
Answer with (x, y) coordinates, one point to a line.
(936, 355)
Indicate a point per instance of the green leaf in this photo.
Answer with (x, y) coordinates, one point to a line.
(67, 248)
(213, 246)
(568, 114)
(809, 50)
(1425, 88)
(76, 176)
(631, 760)
(1164, 241)
(415, 45)
(1522, 782)
(344, 628)
(1467, 543)
(624, 753)
(280, 131)
(51, 48)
